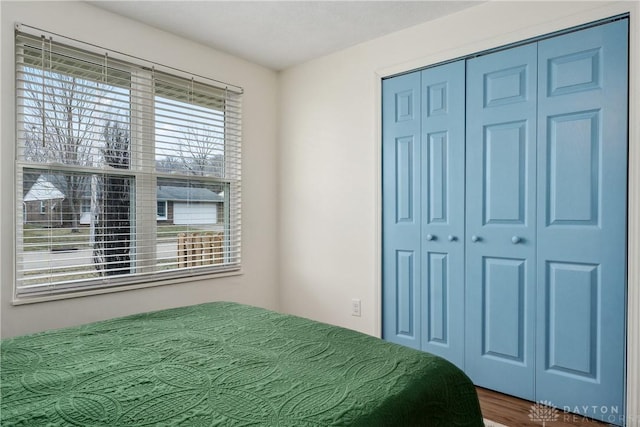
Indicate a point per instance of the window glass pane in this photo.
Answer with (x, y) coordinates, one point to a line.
(66, 243)
(68, 119)
(194, 232)
(189, 137)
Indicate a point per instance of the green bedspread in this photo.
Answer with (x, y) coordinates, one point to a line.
(222, 364)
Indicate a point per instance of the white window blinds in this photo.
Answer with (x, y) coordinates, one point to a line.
(127, 171)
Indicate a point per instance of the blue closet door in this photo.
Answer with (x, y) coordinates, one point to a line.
(401, 216)
(504, 217)
(442, 196)
(423, 210)
(582, 187)
(500, 220)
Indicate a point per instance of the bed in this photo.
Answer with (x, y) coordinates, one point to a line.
(226, 364)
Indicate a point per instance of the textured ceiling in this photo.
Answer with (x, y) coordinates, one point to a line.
(280, 34)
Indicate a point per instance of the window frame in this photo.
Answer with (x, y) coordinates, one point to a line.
(144, 174)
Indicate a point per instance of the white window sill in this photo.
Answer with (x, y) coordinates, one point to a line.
(22, 300)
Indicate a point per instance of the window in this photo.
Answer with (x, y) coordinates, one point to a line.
(117, 147)
(161, 210)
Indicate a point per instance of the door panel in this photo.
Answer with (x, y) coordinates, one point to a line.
(437, 318)
(573, 333)
(405, 281)
(401, 227)
(437, 165)
(504, 180)
(582, 208)
(573, 167)
(405, 179)
(500, 220)
(443, 100)
(503, 287)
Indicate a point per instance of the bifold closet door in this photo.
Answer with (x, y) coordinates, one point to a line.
(442, 195)
(401, 222)
(500, 220)
(423, 210)
(582, 187)
(504, 217)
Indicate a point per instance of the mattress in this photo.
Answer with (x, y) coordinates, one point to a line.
(226, 364)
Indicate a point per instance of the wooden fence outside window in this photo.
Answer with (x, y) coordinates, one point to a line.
(195, 249)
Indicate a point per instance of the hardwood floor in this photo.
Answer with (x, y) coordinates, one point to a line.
(514, 412)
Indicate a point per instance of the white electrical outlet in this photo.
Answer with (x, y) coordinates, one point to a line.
(355, 307)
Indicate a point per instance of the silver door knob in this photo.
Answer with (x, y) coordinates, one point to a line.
(452, 238)
(515, 240)
(431, 237)
(475, 238)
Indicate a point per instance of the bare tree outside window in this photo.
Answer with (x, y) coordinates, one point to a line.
(200, 152)
(111, 202)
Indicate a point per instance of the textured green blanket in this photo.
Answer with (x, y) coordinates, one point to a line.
(222, 364)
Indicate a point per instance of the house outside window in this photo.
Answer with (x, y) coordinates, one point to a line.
(120, 148)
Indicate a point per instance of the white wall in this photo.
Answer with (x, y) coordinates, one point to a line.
(330, 147)
(258, 285)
